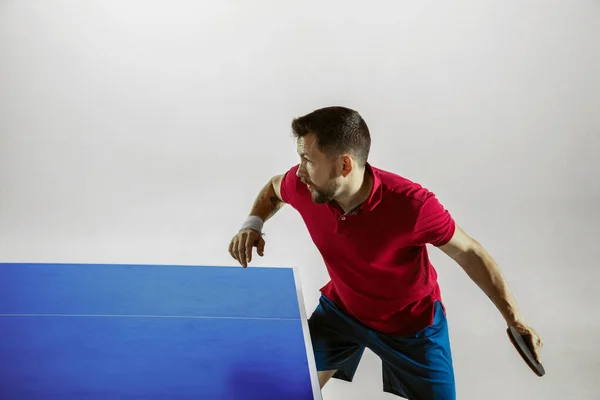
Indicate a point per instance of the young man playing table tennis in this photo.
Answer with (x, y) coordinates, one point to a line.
(371, 227)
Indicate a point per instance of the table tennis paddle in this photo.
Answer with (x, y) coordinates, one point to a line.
(523, 348)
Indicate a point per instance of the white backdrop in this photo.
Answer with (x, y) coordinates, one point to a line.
(141, 132)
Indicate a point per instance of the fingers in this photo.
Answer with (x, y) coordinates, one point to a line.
(261, 247)
(234, 249)
(241, 250)
(240, 247)
(534, 347)
(231, 247)
(538, 347)
(248, 244)
(535, 343)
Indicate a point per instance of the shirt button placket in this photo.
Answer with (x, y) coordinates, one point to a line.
(342, 228)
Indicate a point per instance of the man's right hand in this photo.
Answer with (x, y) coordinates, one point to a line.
(242, 243)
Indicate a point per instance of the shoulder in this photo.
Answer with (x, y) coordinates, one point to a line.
(404, 191)
(289, 178)
(291, 187)
(431, 222)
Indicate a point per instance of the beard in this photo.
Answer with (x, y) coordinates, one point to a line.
(322, 195)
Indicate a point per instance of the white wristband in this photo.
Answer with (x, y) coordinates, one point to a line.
(253, 222)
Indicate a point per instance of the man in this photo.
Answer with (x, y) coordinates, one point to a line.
(372, 227)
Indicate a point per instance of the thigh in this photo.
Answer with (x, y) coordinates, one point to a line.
(335, 340)
(418, 367)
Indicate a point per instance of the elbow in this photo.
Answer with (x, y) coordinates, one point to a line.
(472, 253)
(476, 249)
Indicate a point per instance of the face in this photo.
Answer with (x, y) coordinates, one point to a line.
(317, 171)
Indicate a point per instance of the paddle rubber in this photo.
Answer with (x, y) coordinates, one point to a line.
(522, 347)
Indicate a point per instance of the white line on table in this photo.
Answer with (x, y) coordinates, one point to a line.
(147, 316)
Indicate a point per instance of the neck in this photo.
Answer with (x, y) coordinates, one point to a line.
(357, 191)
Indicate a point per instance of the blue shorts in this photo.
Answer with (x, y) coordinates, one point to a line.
(416, 367)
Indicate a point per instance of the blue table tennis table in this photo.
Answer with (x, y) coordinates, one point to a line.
(106, 331)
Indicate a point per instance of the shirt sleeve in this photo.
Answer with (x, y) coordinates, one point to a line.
(434, 224)
(289, 184)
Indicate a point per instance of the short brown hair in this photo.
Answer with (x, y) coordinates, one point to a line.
(337, 130)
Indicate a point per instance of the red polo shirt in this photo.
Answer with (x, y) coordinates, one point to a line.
(376, 257)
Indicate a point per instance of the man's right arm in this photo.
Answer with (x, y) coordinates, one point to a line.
(269, 200)
(267, 203)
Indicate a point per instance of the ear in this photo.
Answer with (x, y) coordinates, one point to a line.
(346, 165)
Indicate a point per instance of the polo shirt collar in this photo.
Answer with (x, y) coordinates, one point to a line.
(374, 197)
(376, 192)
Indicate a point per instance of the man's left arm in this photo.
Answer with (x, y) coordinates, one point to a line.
(485, 272)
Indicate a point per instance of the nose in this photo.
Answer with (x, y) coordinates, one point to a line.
(302, 175)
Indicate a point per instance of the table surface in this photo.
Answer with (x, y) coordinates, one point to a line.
(106, 331)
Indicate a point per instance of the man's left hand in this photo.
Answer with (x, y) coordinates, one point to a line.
(534, 341)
